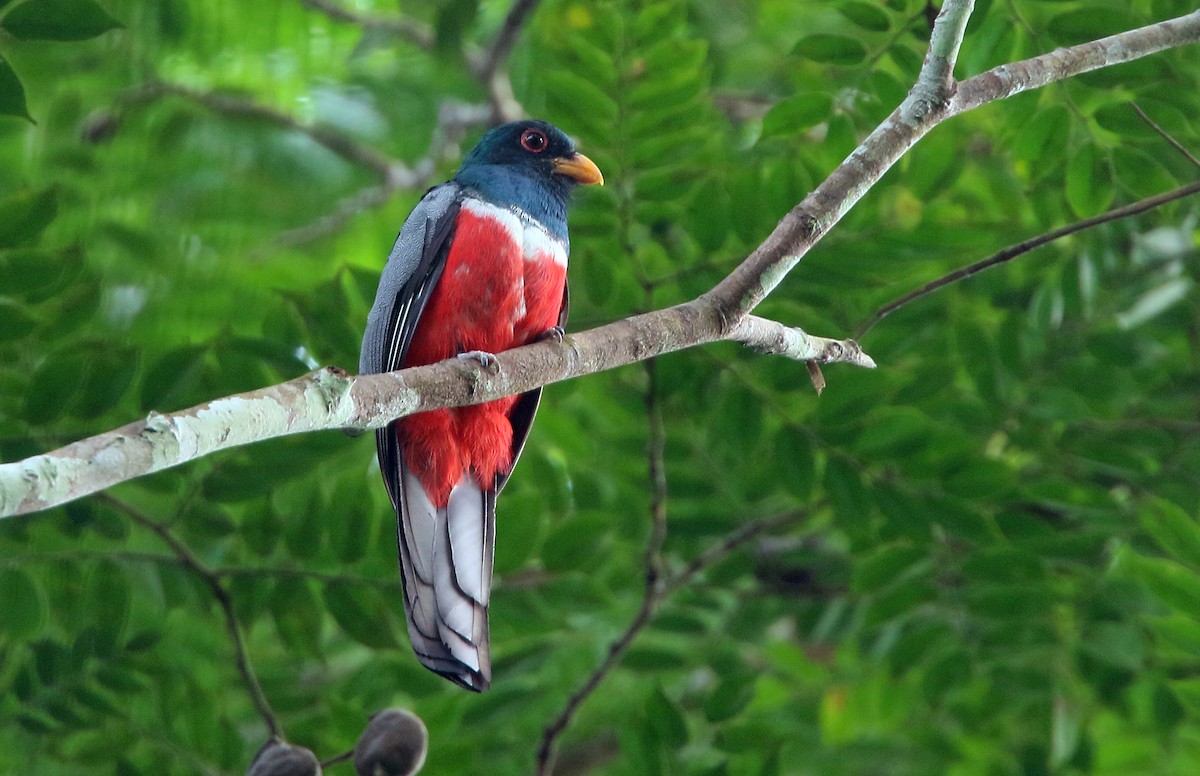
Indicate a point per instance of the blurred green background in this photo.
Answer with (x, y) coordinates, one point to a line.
(979, 558)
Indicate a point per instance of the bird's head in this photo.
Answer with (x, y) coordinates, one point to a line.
(537, 148)
(530, 165)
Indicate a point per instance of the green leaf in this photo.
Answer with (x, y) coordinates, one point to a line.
(980, 479)
(847, 495)
(109, 374)
(885, 566)
(831, 49)
(296, 611)
(23, 610)
(666, 720)
(1089, 181)
(732, 694)
(1173, 530)
(36, 276)
(1168, 581)
(794, 451)
(583, 97)
(573, 544)
(866, 15)
(796, 114)
(15, 320)
(735, 429)
(453, 19)
(170, 383)
(58, 20)
(1188, 693)
(54, 386)
(111, 597)
(361, 613)
(1087, 24)
(23, 216)
(12, 93)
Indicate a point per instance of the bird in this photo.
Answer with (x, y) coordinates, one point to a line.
(479, 267)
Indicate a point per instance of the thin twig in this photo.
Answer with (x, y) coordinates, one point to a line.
(1013, 251)
(1166, 135)
(454, 119)
(715, 554)
(197, 567)
(656, 471)
(507, 36)
(726, 547)
(489, 69)
(340, 758)
(652, 562)
(241, 107)
(414, 32)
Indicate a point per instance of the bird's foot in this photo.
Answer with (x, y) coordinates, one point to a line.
(486, 361)
(553, 334)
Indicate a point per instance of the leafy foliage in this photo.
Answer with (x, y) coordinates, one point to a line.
(990, 552)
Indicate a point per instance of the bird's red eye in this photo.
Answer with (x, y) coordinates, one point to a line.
(534, 141)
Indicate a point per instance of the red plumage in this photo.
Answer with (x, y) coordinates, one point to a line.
(495, 293)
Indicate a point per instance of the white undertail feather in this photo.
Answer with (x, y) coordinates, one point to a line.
(447, 557)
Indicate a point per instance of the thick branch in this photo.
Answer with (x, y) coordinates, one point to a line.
(808, 222)
(775, 339)
(927, 105)
(1007, 80)
(329, 399)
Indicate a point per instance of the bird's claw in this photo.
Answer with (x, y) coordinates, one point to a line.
(486, 361)
(553, 334)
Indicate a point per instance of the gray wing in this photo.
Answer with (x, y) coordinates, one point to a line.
(409, 277)
(412, 270)
(436, 628)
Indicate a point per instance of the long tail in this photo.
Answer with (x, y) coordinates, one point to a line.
(446, 557)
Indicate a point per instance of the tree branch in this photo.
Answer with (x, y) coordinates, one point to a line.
(240, 107)
(1165, 135)
(929, 103)
(197, 567)
(1025, 246)
(1006, 80)
(653, 598)
(330, 399)
(774, 339)
(453, 120)
(805, 224)
(420, 35)
(491, 68)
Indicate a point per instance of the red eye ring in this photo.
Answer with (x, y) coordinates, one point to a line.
(534, 141)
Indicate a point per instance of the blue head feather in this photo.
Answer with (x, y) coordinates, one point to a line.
(504, 172)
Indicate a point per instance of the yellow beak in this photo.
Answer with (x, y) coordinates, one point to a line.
(579, 167)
